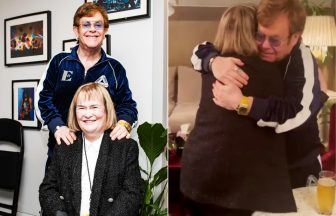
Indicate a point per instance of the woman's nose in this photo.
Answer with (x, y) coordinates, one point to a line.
(88, 113)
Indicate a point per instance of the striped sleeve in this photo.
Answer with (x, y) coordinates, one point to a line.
(201, 56)
(303, 95)
(45, 109)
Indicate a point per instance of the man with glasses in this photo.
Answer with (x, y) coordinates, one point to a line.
(280, 26)
(86, 63)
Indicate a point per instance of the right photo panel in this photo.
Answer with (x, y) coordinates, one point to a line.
(252, 107)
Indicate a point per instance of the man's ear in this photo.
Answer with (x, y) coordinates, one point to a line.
(295, 38)
(105, 30)
(75, 30)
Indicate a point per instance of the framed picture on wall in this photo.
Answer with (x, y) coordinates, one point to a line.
(71, 43)
(121, 10)
(23, 98)
(28, 38)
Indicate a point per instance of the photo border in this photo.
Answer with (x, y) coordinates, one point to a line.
(143, 12)
(46, 18)
(16, 84)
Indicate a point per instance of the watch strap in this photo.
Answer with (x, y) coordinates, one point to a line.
(126, 125)
(242, 108)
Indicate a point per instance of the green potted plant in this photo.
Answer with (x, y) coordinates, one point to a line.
(153, 140)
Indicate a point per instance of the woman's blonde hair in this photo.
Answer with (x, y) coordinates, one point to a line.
(92, 90)
(236, 31)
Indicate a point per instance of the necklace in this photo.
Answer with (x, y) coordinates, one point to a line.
(87, 163)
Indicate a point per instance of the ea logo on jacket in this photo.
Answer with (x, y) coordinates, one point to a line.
(103, 81)
(67, 76)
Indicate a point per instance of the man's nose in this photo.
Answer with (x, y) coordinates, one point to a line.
(265, 44)
(92, 27)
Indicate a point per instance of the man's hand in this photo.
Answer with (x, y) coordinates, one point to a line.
(119, 132)
(226, 69)
(226, 95)
(65, 134)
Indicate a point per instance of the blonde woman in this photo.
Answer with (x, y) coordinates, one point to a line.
(95, 175)
(230, 166)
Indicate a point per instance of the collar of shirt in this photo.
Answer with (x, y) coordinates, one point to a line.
(93, 147)
(92, 151)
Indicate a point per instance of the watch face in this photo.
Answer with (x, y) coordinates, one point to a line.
(242, 110)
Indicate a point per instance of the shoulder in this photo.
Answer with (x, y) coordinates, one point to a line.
(300, 52)
(57, 59)
(126, 142)
(254, 64)
(115, 64)
(255, 60)
(60, 56)
(123, 144)
(64, 150)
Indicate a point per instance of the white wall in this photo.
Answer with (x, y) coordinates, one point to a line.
(139, 45)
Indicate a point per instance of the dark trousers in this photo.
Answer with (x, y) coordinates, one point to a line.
(299, 175)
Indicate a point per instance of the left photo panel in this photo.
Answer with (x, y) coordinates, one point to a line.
(84, 115)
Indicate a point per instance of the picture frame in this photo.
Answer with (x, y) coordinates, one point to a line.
(71, 43)
(23, 98)
(119, 11)
(28, 38)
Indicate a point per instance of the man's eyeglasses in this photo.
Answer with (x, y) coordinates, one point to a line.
(96, 25)
(273, 41)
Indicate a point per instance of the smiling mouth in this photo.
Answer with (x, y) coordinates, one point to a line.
(89, 121)
(265, 53)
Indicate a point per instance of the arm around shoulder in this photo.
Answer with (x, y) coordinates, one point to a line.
(302, 97)
(201, 56)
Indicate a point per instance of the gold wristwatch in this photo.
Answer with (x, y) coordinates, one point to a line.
(243, 106)
(126, 125)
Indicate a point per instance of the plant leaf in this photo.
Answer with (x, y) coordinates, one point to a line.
(144, 171)
(160, 197)
(152, 139)
(160, 176)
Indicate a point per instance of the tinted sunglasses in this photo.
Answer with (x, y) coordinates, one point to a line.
(96, 25)
(273, 41)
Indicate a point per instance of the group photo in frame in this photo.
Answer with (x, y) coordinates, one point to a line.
(71, 43)
(121, 10)
(23, 98)
(28, 38)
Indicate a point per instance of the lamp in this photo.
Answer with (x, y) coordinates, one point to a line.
(319, 34)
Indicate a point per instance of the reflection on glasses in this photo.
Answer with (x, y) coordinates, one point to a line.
(97, 25)
(273, 41)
